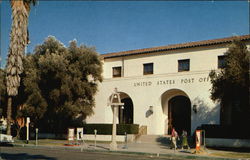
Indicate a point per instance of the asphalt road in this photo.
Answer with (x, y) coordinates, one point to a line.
(23, 153)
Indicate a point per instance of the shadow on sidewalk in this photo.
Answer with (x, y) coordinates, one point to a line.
(24, 156)
(166, 142)
(98, 146)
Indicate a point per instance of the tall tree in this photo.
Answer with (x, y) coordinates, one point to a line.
(18, 41)
(59, 84)
(230, 86)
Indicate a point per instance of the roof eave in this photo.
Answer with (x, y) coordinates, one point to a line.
(242, 38)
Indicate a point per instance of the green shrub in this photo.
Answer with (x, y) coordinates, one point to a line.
(106, 129)
(128, 128)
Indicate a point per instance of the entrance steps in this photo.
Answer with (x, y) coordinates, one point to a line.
(154, 139)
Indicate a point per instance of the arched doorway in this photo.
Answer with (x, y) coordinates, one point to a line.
(126, 112)
(176, 107)
(179, 114)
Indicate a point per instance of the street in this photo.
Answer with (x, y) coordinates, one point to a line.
(24, 153)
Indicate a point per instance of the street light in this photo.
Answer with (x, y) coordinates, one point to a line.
(27, 129)
(115, 103)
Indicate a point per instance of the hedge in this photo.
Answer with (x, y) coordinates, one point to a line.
(232, 132)
(106, 129)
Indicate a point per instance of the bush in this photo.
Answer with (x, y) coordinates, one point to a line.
(128, 128)
(106, 129)
(219, 131)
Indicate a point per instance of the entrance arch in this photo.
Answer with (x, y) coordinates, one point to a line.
(125, 112)
(126, 115)
(179, 114)
(176, 106)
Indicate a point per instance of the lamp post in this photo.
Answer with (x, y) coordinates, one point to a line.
(27, 131)
(115, 103)
(95, 131)
(36, 136)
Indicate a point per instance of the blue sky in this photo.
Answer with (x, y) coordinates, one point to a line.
(113, 26)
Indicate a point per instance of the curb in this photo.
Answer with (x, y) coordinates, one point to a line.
(78, 149)
(174, 155)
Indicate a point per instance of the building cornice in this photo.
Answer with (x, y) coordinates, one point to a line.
(175, 46)
(155, 76)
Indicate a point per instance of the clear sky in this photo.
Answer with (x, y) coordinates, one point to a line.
(113, 26)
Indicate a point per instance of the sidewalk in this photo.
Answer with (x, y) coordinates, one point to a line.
(154, 150)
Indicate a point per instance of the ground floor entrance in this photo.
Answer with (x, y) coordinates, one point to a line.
(158, 103)
(126, 112)
(176, 107)
(179, 114)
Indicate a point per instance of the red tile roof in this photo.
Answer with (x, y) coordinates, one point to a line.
(175, 46)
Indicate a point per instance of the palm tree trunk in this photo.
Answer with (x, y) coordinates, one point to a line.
(18, 41)
(9, 113)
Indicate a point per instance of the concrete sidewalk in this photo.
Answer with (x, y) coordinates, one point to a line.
(162, 150)
(151, 149)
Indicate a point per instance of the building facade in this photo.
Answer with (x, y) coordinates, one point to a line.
(163, 87)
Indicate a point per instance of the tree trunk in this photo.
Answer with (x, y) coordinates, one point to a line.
(18, 41)
(227, 114)
(18, 133)
(9, 113)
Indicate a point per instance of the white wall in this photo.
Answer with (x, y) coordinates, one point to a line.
(201, 59)
(147, 90)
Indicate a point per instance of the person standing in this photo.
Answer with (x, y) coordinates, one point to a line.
(174, 137)
(184, 140)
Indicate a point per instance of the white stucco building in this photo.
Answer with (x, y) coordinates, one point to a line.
(163, 87)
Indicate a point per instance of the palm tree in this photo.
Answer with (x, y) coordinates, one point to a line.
(18, 41)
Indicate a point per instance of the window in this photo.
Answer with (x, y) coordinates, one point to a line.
(117, 72)
(183, 65)
(148, 68)
(221, 61)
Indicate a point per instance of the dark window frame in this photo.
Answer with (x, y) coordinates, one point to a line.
(148, 68)
(183, 65)
(221, 62)
(117, 75)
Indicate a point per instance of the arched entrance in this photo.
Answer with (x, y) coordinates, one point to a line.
(176, 107)
(179, 114)
(126, 112)
(126, 115)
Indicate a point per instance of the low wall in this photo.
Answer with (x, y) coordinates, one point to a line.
(90, 137)
(234, 143)
(119, 138)
(48, 136)
(6, 138)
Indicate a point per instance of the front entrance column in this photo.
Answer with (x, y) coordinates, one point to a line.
(113, 144)
(115, 103)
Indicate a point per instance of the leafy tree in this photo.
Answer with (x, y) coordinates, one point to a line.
(59, 84)
(18, 41)
(230, 86)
